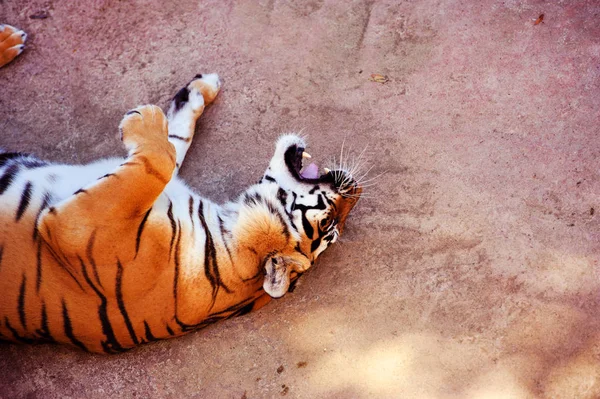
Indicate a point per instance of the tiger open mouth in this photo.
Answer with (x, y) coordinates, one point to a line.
(341, 180)
(294, 157)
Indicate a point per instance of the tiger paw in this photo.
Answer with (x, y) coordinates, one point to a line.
(12, 43)
(201, 91)
(206, 85)
(145, 126)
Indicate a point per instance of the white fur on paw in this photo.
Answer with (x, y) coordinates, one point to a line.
(196, 100)
(211, 79)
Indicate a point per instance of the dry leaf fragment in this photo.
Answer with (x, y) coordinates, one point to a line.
(41, 14)
(375, 77)
(539, 20)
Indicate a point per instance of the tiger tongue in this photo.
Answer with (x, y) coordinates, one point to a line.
(310, 172)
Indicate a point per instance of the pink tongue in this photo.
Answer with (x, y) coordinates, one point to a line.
(310, 172)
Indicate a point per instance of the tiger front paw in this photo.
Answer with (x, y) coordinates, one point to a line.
(12, 43)
(145, 126)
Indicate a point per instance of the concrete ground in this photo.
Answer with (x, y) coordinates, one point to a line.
(470, 270)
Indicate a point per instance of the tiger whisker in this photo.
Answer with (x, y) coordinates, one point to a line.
(364, 174)
(372, 178)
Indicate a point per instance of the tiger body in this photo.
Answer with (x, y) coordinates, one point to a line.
(120, 252)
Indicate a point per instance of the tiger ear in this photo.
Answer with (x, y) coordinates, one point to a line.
(277, 273)
(277, 277)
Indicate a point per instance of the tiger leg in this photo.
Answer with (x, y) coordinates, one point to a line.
(117, 200)
(185, 109)
(12, 43)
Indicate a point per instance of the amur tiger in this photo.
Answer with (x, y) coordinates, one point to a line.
(121, 252)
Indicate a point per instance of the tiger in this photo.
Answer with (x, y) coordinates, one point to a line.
(12, 43)
(120, 252)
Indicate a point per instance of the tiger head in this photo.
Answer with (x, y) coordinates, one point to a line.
(314, 207)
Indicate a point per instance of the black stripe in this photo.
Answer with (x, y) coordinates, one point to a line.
(233, 308)
(24, 203)
(211, 268)
(45, 201)
(293, 284)
(329, 201)
(107, 175)
(8, 177)
(38, 273)
(259, 273)
(181, 98)
(239, 309)
(149, 336)
(245, 310)
(191, 211)
(176, 283)
(21, 306)
(207, 256)
(80, 191)
(308, 229)
(253, 199)
(184, 326)
(121, 303)
(282, 196)
(273, 209)
(299, 250)
(224, 234)
(169, 330)
(110, 345)
(269, 178)
(15, 334)
(66, 268)
(1, 252)
(7, 156)
(173, 227)
(89, 253)
(214, 280)
(176, 137)
(44, 332)
(315, 244)
(69, 328)
(32, 163)
(139, 232)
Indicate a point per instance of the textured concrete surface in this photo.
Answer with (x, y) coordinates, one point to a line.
(470, 270)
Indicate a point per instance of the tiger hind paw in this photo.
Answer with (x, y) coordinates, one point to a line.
(12, 43)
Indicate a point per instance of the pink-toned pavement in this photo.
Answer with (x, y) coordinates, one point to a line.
(470, 270)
